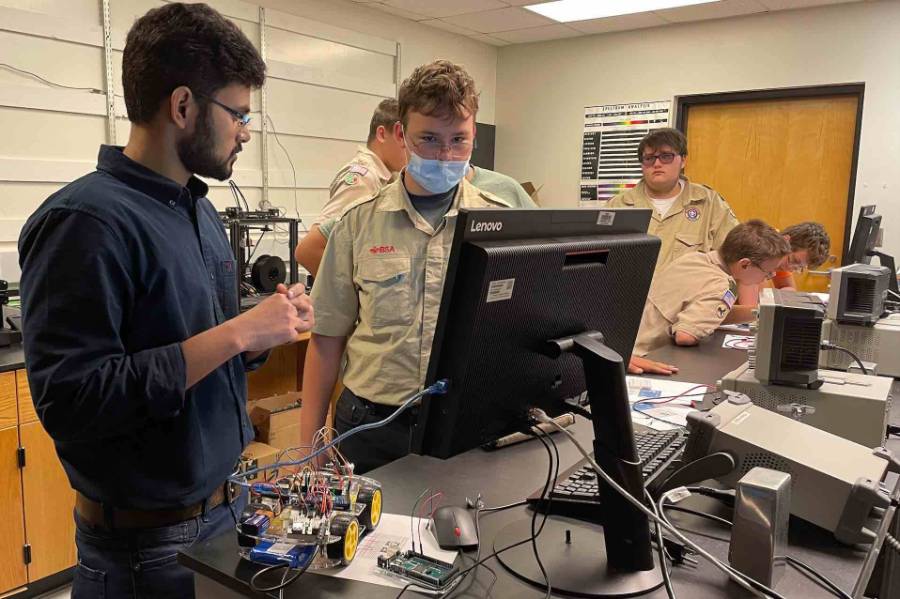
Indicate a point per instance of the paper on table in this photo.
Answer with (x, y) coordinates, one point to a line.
(393, 532)
(738, 342)
(669, 415)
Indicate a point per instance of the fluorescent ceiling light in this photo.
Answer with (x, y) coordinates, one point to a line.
(566, 11)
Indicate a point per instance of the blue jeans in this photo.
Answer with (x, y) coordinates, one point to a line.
(143, 563)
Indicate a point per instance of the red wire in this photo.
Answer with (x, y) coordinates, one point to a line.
(680, 395)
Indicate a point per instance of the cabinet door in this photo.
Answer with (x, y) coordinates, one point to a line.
(49, 500)
(12, 531)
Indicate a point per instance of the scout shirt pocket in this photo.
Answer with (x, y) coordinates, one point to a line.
(686, 243)
(385, 297)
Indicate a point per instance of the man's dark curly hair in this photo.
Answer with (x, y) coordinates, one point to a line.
(184, 44)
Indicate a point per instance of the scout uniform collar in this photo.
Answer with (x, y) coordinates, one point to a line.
(381, 169)
(686, 200)
(716, 258)
(394, 198)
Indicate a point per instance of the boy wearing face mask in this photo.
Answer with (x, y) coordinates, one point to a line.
(379, 284)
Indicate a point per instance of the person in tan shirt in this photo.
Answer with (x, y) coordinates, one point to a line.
(693, 295)
(687, 217)
(373, 166)
(810, 248)
(379, 286)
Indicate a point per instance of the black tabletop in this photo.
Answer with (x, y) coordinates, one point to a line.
(12, 357)
(510, 474)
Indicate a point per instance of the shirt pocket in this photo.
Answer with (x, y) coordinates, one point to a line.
(226, 288)
(386, 291)
(685, 243)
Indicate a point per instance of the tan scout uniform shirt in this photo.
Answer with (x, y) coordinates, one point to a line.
(698, 220)
(693, 294)
(360, 178)
(380, 282)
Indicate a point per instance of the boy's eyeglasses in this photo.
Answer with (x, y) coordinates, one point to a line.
(664, 157)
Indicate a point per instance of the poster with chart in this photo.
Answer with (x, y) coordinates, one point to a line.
(609, 163)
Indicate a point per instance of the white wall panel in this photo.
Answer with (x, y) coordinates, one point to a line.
(40, 135)
(301, 109)
(76, 12)
(324, 59)
(61, 62)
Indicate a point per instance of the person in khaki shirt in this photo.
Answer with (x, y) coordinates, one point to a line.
(380, 282)
(373, 166)
(687, 217)
(502, 186)
(694, 294)
(810, 248)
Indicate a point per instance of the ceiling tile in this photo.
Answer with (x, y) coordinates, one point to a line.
(505, 19)
(525, 2)
(789, 4)
(481, 37)
(399, 12)
(713, 10)
(620, 23)
(448, 27)
(537, 34)
(444, 8)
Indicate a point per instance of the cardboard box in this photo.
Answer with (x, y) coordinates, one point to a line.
(529, 188)
(257, 455)
(276, 420)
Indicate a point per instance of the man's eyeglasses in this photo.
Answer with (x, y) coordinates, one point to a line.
(431, 149)
(665, 158)
(242, 118)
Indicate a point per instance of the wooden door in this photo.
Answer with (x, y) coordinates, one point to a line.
(784, 161)
(49, 499)
(13, 573)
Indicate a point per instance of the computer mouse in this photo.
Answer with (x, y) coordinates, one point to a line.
(454, 528)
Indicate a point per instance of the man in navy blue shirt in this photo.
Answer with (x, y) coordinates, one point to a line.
(135, 349)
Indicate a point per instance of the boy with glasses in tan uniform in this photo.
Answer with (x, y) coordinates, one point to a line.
(694, 294)
(380, 281)
(687, 217)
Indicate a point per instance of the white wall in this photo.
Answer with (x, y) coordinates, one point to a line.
(330, 63)
(419, 43)
(539, 132)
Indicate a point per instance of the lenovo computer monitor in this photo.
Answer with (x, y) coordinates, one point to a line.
(541, 307)
(866, 236)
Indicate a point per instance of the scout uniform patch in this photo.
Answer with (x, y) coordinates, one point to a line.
(692, 214)
(729, 298)
(351, 179)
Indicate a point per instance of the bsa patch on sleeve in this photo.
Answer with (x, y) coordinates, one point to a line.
(729, 299)
(722, 311)
(351, 179)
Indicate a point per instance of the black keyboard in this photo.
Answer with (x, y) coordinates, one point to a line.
(575, 493)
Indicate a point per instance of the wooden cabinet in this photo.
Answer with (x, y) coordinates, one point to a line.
(49, 501)
(13, 573)
(34, 492)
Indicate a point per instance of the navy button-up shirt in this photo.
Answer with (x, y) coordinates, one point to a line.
(118, 268)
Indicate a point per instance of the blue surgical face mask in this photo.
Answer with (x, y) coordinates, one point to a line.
(437, 176)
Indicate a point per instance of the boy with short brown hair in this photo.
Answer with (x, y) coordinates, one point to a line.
(694, 294)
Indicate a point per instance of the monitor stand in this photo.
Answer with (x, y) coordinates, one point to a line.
(887, 261)
(573, 551)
